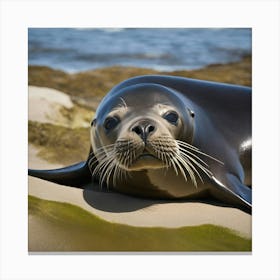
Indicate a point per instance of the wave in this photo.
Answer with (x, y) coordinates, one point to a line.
(112, 30)
(49, 50)
(103, 57)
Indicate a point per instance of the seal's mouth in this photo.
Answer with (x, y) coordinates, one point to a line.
(146, 155)
(146, 159)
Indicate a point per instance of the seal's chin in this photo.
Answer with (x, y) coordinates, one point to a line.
(146, 161)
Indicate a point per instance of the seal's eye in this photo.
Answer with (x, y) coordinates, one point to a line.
(171, 117)
(111, 122)
(192, 113)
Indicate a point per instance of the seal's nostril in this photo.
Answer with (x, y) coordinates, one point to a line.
(150, 128)
(137, 129)
(144, 130)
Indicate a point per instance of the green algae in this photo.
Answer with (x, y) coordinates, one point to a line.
(94, 84)
(58, 143)
(70, 228)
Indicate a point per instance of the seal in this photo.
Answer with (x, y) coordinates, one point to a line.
(169, 137)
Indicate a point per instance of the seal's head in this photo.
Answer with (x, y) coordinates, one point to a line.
(137, 127)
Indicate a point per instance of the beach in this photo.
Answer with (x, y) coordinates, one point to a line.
(59, 120)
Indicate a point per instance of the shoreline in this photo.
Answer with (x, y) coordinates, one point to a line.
(88, 87)
(198, 68)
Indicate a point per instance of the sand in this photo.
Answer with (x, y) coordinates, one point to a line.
(44, 105)
(120, 208)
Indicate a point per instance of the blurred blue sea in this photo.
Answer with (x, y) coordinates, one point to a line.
(79, 49)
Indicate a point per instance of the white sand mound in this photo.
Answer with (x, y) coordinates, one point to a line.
(45, 105)
(48, 105)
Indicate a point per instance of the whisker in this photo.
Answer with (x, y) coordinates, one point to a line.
(181, 143)
(174, 165)
(189, 170)
(110, 169)
(103, 148)
(187, 145)
(105, 170)
(193, 167)
(188, 153)
(123, 102)
(205, 170)
(102, 164)
(180, 167)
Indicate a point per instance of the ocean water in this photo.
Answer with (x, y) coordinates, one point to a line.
(80, 49)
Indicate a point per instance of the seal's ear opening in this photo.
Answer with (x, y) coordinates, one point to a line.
(93, 122)
(192, 114)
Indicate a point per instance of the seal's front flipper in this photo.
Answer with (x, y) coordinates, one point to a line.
(235, 192)
(76, 175)
(240, 189)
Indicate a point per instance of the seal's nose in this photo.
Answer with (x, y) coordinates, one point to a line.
(144, 129)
